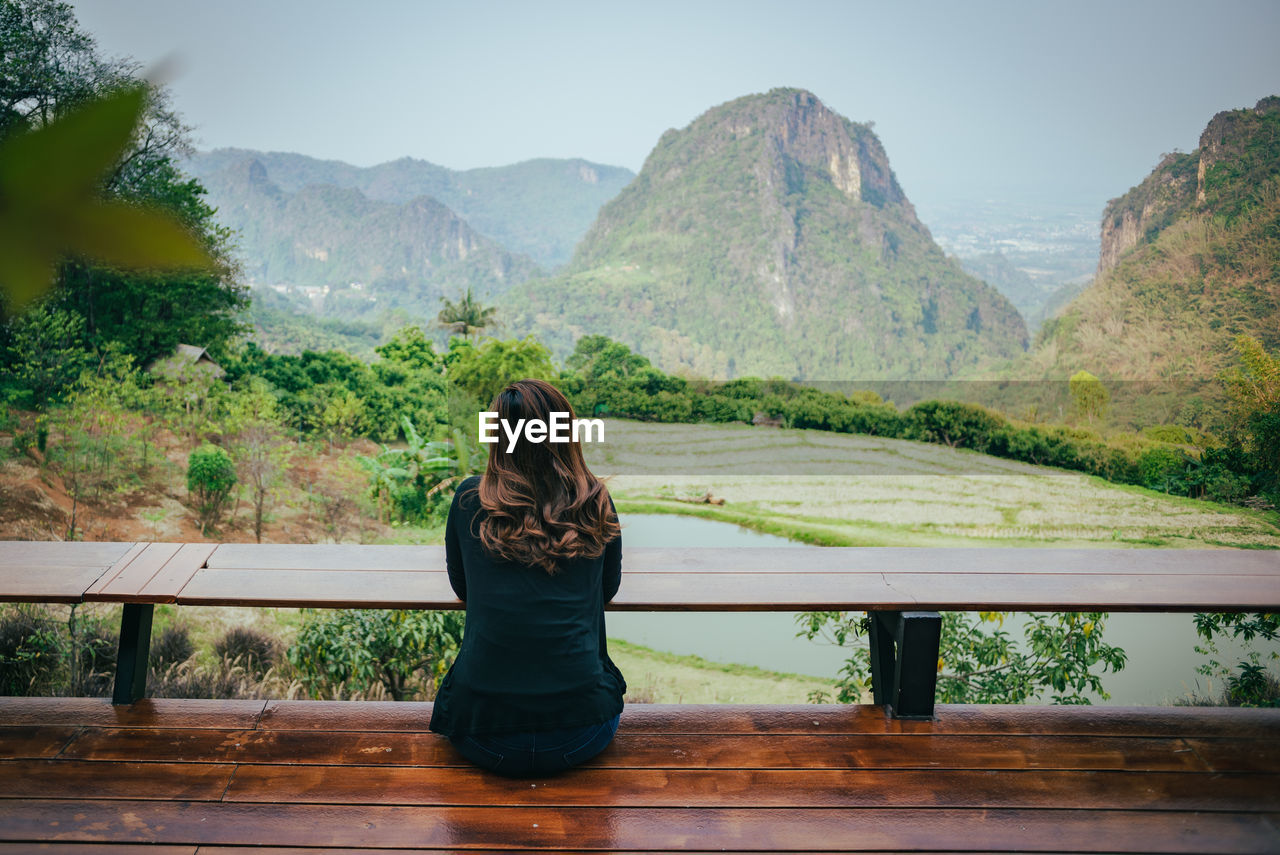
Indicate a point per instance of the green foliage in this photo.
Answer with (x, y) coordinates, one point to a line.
(91, 438)
(480, 373)
(45, 354)
(88, 168)
(334, 394)
(411, 484)
(1254, 394)
(30, 651)
(211, 476)
(1089, 398)
(467, 317)
(980, 662)
(1250, 684)
(45, 653)
(50, 178)
(352, 650)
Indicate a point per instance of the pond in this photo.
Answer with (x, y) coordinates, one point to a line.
(1161, 647)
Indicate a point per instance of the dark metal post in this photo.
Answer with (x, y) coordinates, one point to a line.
(135, 647)
(916, 678)
(904, 661)
(883, 655)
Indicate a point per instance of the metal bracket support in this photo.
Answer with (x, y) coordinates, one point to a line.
(904, 661)
(135, 648)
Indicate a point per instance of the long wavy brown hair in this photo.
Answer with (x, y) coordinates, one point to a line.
(543, 504)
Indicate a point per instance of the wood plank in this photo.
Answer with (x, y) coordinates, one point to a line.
(177, 571)
(119, 566)
(79, 779)
(649, 750)
(326, 556)
(135, 575)
(997, 719)
(49, 584)
(782, 591)
(405, 716)
(699, 560)
(757, 788)
(1135, 592)
(148, 712)
(97, 849)
(53, 553)
(319, 589)
(34, 740)
(779, 830)
(1238, 755)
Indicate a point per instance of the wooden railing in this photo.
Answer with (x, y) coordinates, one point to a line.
(903, 588)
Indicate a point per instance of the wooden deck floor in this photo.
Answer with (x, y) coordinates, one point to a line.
(217, 776)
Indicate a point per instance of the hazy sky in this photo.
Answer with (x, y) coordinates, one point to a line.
(1068, 102)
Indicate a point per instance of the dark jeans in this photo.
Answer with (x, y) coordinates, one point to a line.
(527, 755)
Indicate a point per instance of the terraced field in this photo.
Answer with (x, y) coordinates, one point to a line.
(850, 490)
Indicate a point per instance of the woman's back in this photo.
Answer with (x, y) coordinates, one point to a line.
(533, 654)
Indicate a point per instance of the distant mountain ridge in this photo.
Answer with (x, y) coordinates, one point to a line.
(404, 255)
(539, 208)
(1190, 258)
(770, 237)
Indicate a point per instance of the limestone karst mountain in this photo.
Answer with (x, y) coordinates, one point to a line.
(1190, 259)
(770, 237)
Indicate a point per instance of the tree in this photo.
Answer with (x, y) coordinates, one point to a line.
(1089, 398)
(1253, 387)
(411, 348)
(482, 372)
(258, 444)
(87, 148)
(467, 316)
(211, 475)
(353, 650)
(45, 354)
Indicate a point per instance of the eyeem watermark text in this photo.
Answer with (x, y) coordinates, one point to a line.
(560, 428)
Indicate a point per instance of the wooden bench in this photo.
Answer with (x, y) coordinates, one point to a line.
(307, 774)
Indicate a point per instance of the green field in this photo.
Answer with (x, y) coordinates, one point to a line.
(852, 490)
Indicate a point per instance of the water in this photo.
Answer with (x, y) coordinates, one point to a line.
(1161, 657)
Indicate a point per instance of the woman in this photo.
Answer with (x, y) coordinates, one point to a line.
(534, 550)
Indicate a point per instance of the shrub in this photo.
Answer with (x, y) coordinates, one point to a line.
(360, 649)
(252, 648)
(210, 478)
(30, 652)
(171, 646)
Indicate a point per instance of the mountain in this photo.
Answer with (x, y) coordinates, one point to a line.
(403, 255)
(1190, 259)
(539, 208)
(770, 237)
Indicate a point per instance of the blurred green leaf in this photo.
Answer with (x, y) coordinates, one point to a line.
(130, 236)
(50, 182)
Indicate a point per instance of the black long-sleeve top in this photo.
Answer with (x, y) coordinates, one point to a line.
(533, 654)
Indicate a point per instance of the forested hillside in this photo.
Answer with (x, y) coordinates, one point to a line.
(538, 208)
(1190, 260)
(770, 237)
(404, 255)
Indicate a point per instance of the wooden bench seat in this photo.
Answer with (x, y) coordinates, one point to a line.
(351, 775)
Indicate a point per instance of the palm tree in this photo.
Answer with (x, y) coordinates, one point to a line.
(467, 316)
